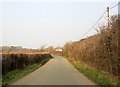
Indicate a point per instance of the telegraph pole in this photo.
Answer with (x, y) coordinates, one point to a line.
(108, 18)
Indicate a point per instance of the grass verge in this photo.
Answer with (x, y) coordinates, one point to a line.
(96, 76)
(13, 76)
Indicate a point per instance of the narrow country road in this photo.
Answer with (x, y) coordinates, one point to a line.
(58, 71)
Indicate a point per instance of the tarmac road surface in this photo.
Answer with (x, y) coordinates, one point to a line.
(57, 71)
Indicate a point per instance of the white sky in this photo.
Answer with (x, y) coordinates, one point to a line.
(33, 24)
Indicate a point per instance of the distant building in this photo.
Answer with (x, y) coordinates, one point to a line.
(59, 50)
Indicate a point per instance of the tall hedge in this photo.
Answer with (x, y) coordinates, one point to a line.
(18, 61)
(99, 51)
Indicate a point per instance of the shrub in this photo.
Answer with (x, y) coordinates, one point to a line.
(99, 51)
(12, 61)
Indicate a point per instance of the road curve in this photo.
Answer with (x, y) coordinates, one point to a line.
(58, 71)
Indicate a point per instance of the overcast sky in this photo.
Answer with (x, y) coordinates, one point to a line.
(33, 24)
